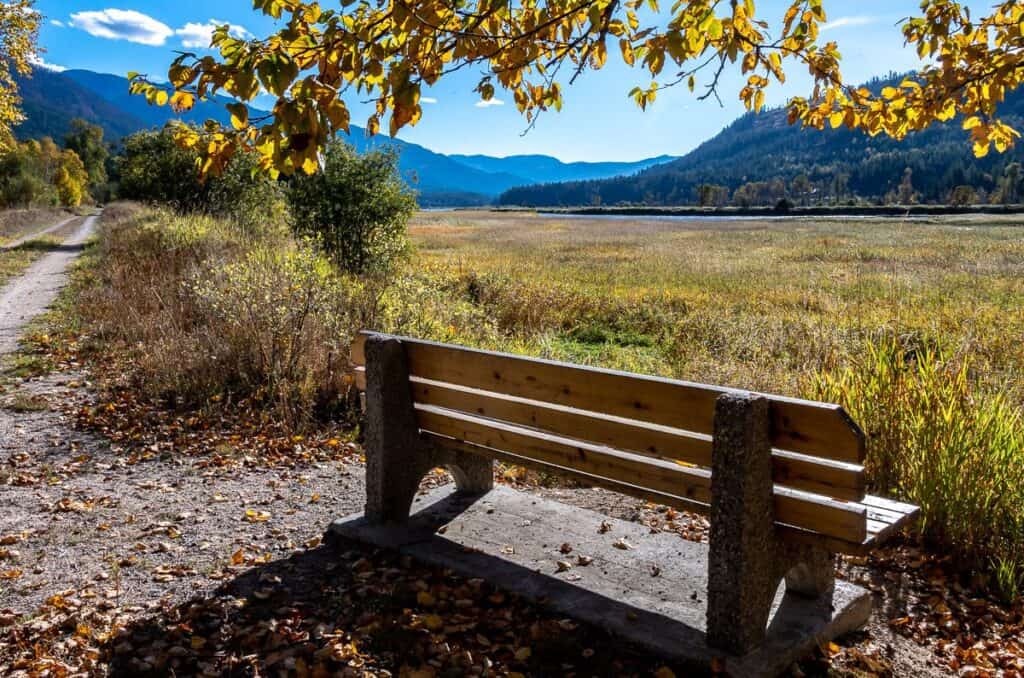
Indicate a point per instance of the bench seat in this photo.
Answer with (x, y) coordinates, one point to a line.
(819, 499)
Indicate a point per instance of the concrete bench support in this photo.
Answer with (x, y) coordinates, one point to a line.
(747, 560)
(396, 457)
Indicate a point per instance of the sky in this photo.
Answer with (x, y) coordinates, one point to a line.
(598, 120)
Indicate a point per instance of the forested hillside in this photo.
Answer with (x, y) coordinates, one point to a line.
(53, 99)
(760, 159)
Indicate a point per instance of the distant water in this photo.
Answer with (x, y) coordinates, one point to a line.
(737, 217)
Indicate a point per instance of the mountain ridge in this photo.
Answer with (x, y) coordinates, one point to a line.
(51, 99)
(763, 147)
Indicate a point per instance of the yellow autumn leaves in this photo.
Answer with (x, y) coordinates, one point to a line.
(385, 51)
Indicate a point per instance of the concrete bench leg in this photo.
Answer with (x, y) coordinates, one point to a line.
(742, 563)
(396, 456)
(814, 573)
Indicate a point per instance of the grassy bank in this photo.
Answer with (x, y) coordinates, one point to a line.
(15, 223)
(914, 327)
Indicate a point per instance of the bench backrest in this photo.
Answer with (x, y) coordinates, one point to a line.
(645, 436)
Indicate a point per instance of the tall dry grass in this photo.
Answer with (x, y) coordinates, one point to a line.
(207, 313)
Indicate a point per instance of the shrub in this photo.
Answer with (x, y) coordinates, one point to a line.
(936, 441)
(154, 169)
(356, 208)
(272, 315)
(211, 317)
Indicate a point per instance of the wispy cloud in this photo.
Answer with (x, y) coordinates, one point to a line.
(848, 21)
(198, 35)
(57, 23)
(489, 103)
(123, 24)
(428, 100)
(39, 62)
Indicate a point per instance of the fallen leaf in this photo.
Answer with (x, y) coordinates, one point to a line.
(253, 516)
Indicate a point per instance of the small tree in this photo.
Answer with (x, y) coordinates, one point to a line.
(356, 208)
(906, 194)
(87, 142)
(154, 169)
(962, 195)
(71, 179)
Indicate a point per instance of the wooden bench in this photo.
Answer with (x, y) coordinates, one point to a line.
(780, 478)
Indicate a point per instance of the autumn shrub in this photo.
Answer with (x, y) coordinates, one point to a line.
(935, 439)
(356, 209)
(276, 321)
(209, 315)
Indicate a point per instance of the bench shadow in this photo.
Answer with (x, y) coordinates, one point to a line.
(794, 623)
(45, 247)
(254, 623)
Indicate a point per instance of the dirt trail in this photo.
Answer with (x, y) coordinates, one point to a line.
(32, 292)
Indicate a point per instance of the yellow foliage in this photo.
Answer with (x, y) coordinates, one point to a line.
(71, 179)
(387, 50)
(19, 27)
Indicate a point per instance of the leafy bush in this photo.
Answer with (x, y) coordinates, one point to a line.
(270, 311)
(356, 208)
(936, 441)
(154, 169)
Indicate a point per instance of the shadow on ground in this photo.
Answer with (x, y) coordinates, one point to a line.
(45, 247)
(343, 609)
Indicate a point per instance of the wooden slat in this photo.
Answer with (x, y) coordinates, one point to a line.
(661, 476)
(842, 520)
(886, 517)
(787, 532)
(580, 476)
(807, 427)
(811, 474)
(892, 505)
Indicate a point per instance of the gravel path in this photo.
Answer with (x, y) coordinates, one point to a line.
(31, 293)
(37, 234)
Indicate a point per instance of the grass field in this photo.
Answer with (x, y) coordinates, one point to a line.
(754, 304)
(915, 326)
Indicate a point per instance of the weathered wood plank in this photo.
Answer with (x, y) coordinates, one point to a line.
(816, 513)
(810, 474)
(806, 427)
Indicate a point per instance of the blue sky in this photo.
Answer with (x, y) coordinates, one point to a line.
(597, 122)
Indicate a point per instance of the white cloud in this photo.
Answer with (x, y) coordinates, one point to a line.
(489, 103)
(39, 62)
(57, 23)
(848, 21)
(198, 35)
(123, 24)
(428, 100)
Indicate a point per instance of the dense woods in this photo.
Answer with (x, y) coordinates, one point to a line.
(41, 173)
